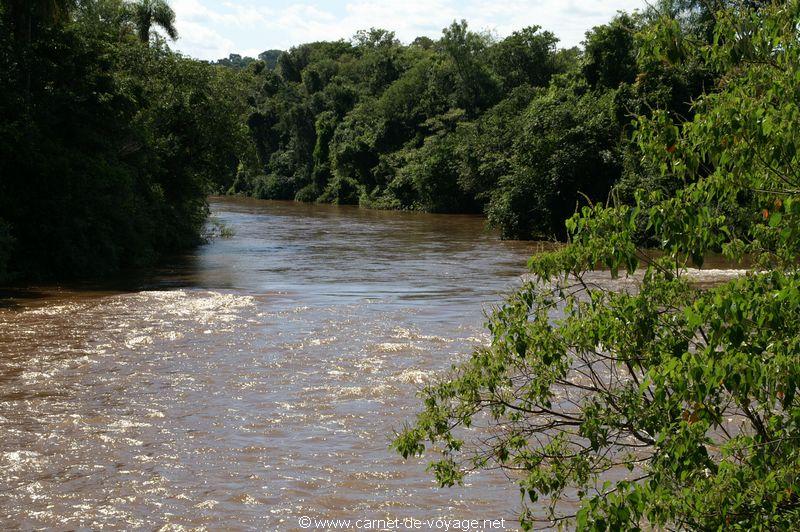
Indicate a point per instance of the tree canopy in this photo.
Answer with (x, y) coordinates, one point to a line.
(144, 14)
(514, 128)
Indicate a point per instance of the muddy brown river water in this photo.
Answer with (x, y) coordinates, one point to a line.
(253, 382)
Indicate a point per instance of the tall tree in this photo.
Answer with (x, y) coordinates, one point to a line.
(146, 13)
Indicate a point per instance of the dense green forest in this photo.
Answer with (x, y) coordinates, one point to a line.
(516, 127)
(111, 142)
(657, 402)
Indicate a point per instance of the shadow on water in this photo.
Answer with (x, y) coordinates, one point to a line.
(10, 298)
(172, 273)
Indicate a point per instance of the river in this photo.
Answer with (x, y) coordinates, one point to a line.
(252, 382)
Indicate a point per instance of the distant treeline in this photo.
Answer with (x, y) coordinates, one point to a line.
(516, 128)
(111, 142)
(237, 61)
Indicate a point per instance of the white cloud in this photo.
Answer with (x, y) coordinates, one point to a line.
(213, 29)
(235, 15)
(203, 42)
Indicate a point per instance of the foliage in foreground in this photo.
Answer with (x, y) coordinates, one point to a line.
(663, 404)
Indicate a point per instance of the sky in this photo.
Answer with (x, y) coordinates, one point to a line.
(212, 29)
